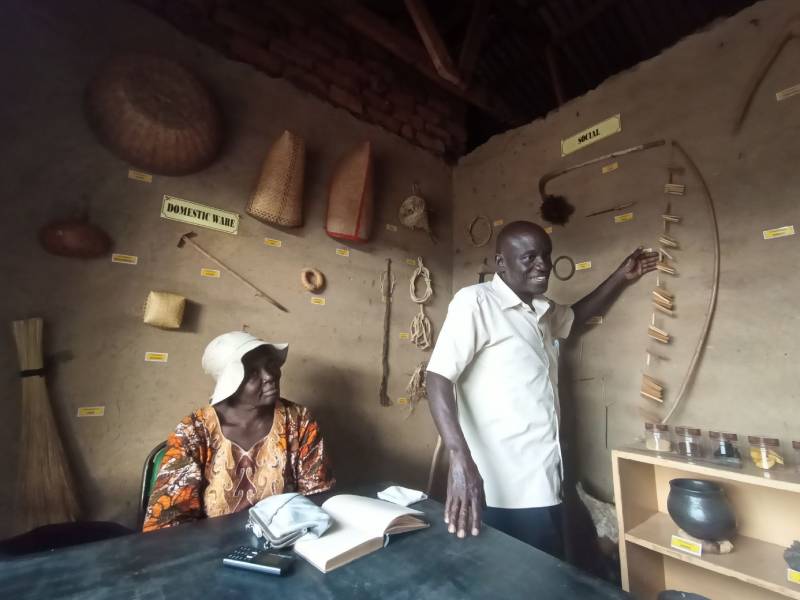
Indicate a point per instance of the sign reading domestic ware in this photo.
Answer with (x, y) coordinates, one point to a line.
(593, 134)
(177, 209)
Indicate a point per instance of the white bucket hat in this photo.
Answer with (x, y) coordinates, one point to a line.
(222, 360)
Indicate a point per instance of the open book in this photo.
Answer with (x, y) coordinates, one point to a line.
(359, 527)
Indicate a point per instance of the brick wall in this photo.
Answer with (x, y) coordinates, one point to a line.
(320, 55)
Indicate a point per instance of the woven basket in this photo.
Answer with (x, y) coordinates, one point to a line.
(154, 114)
(165, 310)
(350, 198)
(278, 197)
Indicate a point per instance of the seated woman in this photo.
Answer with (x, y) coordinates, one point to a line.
(248, 444)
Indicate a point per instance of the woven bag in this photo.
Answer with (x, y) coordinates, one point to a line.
(350, 197)
(154, 114)
(165, 310)
(278, 197)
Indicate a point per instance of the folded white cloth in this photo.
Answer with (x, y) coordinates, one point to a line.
(283, 519)
(402, 495)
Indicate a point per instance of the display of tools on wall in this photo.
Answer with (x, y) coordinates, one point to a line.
(186, 238)
(561, 215)
(388, 281)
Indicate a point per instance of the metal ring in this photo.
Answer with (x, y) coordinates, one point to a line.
(572, 264)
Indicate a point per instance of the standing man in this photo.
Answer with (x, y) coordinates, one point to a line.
(499, 347)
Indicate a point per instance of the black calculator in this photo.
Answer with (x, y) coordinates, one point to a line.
(263, 561)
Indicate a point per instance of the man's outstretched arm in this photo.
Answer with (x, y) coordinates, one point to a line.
(598, 301)
(462, 511)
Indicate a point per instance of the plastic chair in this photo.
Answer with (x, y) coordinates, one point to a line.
(149, 475)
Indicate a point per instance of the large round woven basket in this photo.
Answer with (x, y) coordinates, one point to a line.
(350, 198)
(278, 197)
(154, 114)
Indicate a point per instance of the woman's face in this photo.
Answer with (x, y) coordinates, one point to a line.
(262, 377)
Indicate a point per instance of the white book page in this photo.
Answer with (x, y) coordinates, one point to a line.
(337, 541)
(370, 515)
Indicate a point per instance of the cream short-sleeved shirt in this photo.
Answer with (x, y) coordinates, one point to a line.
(502, 356)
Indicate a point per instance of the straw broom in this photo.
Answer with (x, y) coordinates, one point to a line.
(46, 490)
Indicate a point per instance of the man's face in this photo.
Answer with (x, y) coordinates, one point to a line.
(525, 264)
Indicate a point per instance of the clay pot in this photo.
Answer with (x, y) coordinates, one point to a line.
(75, 239)
(701, 509)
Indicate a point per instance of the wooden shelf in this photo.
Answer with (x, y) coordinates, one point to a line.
(766, 509)
(752, 561)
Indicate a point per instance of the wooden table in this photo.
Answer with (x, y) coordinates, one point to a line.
(185, 562)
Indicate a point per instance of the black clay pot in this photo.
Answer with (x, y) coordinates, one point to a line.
(701, 509)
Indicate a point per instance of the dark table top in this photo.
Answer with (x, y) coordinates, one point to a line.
(185, 562)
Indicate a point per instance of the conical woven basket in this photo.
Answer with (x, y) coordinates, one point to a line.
(278, 197)
(154, 114)
(350, 198)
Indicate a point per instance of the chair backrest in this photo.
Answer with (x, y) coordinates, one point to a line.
(149, 475)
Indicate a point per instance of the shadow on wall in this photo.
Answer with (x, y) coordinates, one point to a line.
(360, 453)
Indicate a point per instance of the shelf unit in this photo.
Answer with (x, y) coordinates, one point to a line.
(767, 508)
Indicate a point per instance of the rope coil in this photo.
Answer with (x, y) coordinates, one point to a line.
(421, 329)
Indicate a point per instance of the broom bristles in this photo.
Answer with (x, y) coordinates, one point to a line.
(47, 493)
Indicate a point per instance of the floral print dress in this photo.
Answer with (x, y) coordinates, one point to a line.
(204, 474)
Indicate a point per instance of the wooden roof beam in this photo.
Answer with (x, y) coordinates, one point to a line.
(476, 31)
(408, 50)
(433, 42)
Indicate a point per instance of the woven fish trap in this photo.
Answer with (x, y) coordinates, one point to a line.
(278, 196)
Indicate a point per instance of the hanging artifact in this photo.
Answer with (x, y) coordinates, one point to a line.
(388, 281)
(312, 280)
(421, 334)
(164, 310)
(46, 492)
(74, 238)
(278, 196)
(556, 209)
(350, 198)
(414, 212)
(154, 114)
(186, 238)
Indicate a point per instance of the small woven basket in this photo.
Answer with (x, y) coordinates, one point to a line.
(278, 197)
(164, 310)
(154, 114)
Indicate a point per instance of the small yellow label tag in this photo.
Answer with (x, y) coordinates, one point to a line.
(318, 300)
(390, 227)
(778, 232)
(498, 222)
(583, 266)
(623, 218)
(684, 545)
(343, 251)
(273, 243)
(411, 262)
(548, 230)
(598, 320)
(792, 575)
(610, 167)
(402, 400)
(788, 93)
(124, 259)
(156, 356)
(405, 336)
(139, 176)
(210, 273)
(91, 411)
